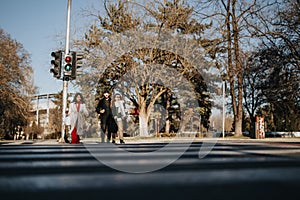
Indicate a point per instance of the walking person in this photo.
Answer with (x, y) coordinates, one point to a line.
(119, 113)
(108, 125)
(77, 109)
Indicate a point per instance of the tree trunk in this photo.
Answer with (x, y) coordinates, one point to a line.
(143, 123)
(168, 123)
(239, 73)
(231, 71)
(239, 114)
(238, 126)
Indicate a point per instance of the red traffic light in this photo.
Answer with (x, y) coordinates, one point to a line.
(68, 59)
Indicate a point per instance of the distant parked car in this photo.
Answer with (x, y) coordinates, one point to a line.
(272, 134)
(226, 134)
(246, 133)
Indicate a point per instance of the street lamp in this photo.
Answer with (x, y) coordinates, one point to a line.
(224, 78)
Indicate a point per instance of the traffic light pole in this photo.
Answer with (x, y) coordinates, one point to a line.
(65, 80)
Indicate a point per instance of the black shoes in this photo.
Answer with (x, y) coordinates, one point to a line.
(121, 142)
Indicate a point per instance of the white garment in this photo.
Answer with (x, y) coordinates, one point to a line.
(67, 120)
(120, 107)
(76, 118)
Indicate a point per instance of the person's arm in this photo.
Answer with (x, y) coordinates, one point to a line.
(98, 108)
(114, 110)
(125, 110)
(84, 110)
(71, 109)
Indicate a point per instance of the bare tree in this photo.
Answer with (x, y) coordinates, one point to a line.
(16, 84)
(146, 52)
(237, 21)
(276, 67)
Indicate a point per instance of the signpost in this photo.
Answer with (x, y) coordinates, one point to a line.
(259, 128)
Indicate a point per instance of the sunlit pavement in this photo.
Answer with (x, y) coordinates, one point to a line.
(134, 140)
(233, 168)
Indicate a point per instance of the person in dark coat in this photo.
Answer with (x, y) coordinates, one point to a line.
(108, 124)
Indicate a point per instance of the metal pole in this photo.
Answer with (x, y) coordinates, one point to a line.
(48, 109)
(65, 82)
(223, 112)
(47, 117)
(67, 50)
(37, 110)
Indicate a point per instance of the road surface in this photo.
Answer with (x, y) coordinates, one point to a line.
(232, 169)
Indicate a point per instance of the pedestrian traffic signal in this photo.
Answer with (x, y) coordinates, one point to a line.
(68, 66)
(77, 63)
(56, 62)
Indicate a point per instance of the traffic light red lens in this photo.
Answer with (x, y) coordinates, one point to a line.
(68, 58)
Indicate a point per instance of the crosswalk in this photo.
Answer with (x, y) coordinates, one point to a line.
(157, 170)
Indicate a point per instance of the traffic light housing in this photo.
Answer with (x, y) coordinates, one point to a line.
(77, 63)
(56, 62)
(68, 67)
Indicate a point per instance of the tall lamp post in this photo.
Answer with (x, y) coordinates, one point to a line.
(223, 110)
(65, 79)
(224, 78)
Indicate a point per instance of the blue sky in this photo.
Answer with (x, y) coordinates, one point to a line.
(40, 25)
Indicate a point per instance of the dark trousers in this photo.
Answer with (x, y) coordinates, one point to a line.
(105, 123)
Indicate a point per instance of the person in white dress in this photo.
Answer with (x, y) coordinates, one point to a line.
(77, 111)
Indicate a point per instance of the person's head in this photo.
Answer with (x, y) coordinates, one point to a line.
(78, 98)
(118, 97)
(106, 94)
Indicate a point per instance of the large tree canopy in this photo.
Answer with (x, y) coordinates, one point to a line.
(124, 43)
(271, 79)
(16, 84)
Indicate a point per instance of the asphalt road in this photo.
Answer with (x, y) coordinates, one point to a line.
(203, 169)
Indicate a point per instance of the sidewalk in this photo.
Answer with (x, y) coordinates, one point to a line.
(135, 140)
